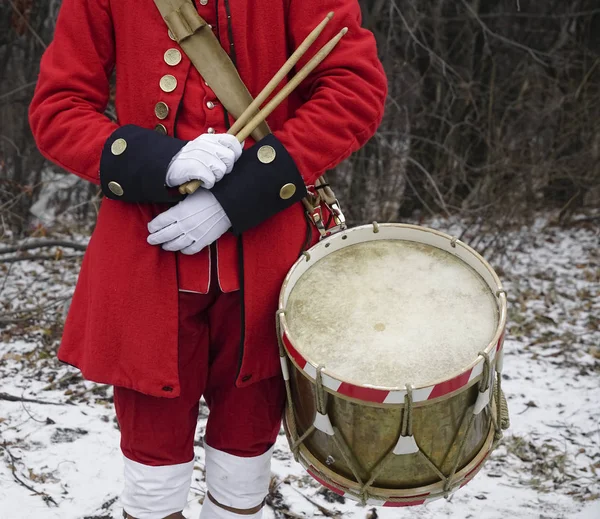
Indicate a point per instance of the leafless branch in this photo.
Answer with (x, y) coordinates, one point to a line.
(11, 398)
(13, 468)
(533, 53)
(40, 257)
(44, 244)
(26, 22)
(18, 89)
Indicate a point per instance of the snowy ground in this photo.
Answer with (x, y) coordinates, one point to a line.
(59, 455)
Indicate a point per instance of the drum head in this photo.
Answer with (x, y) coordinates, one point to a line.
(390, 312)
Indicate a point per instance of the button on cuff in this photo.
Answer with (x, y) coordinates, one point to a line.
(138, 174)
(115, 188)
(266, 154)
(118, 147)
(287, 191)
(254, 191)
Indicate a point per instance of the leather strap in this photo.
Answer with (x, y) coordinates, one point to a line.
(238, 511)
(202, 47)
(200, 44)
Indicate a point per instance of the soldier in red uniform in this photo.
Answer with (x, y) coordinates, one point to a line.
(176, 297)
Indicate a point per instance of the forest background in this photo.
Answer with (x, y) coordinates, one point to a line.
(493, 114)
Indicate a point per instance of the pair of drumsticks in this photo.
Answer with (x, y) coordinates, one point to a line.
(246, 123)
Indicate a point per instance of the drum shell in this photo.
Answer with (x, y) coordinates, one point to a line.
(372, 430)
(449, 433)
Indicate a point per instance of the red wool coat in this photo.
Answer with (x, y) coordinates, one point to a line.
(122, 326)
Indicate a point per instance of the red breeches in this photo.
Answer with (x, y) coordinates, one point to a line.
(243, 422)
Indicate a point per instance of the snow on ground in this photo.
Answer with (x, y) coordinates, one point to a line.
(59, 454)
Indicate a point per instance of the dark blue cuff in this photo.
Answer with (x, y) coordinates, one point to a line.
(264, 181)
(134, 165)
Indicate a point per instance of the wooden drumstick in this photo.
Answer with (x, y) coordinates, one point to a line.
(249, 112)
(279, 77)
(192, 186)
(291, 86)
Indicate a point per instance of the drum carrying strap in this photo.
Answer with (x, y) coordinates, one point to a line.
(199, 43)
(204, 50)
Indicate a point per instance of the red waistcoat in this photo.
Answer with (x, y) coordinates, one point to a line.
(195, 117)
(122, 326)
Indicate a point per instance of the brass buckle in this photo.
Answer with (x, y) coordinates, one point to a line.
(316, 216)
(338, 215)
(314, 208)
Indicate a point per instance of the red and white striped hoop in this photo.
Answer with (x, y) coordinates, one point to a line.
(338, 460)
(395, 395)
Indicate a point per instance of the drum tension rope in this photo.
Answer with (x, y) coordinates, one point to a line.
(499, 421)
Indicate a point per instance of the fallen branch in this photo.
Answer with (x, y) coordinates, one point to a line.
(12, 398)
(68, 378)
(44, 243)
(584, 220)
(39, 257)
(93, 389)
(291, 514)
(29, 314)
(47, 499)
(325, 511)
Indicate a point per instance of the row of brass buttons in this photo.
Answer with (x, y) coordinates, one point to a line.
(168, 83)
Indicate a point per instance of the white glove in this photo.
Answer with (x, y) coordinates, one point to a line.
(208, 158)
(191, 225)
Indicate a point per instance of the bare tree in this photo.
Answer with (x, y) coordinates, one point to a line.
(26, 28)
(493, 110)
(494, 106)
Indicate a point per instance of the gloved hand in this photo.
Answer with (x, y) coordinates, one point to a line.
(192, 224)
(208, 158)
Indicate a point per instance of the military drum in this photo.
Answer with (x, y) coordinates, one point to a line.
(391, 347)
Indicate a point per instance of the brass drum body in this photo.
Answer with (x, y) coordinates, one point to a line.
(393, 446)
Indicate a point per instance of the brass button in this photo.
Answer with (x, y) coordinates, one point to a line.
(210, 130)
(161, 110)
(172, 57)
(266, 154)
(161, 128)
(172, 36)
(210, 105)
(115, 188)
(118, 147)
(168, 83)
(287, 191)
